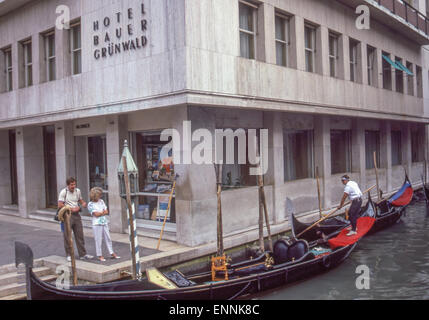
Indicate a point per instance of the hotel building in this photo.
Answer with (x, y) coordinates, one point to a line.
(80, 77)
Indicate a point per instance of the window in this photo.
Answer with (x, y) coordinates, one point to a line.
(97, 162)
(8, 68)
(247, 30)
(396, 148)
(76, 48)
(298, 154)
(236, 175)
(419, 81)
(387, 72)
(333, 55)
(310, 47)
(372, 143)
(371, 59)
(417, 145)
(353, 60)
(282, 40)
(410, 79)
(49, 42)
(156, 172)
(399, 76)
(28, 64)
(340, 151)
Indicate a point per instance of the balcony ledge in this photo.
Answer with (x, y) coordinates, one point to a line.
(398, 16)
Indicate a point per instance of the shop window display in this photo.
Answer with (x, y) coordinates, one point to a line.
(156, 176)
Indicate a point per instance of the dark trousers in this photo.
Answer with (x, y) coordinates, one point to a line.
(354, 212)
(76, 228)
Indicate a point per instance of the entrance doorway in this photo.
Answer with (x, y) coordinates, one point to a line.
(13, 171)
(50, 166)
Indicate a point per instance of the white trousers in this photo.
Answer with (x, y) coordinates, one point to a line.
(100, 232)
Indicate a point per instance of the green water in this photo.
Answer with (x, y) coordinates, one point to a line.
(398, 262)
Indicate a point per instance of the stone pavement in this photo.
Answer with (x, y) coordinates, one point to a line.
(45, 239)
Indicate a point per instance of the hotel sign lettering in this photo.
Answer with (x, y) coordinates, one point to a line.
(120, 33)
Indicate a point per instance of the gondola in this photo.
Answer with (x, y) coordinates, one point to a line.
(390, 210)
(387, 212)
(329, 227)
(425, 192)
(291, 260)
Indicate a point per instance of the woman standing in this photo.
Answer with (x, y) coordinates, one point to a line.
(100, 223)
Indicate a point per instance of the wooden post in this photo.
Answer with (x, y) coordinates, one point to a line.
(220, 250)
(130, 219)
(166, 214)
(318, 192)
(376, 176)
(263, 200)
(71, 246)
(261, 222)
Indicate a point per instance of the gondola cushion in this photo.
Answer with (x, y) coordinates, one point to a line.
(280, 251)
(297, 250)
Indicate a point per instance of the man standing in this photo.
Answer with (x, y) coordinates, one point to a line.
(352, 191)
(71, 196)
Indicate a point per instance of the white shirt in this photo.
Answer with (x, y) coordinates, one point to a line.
(71, 199)
(98, 206)
(352, 189)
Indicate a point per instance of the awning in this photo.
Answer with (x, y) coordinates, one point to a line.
(393, 64)
(404, 68)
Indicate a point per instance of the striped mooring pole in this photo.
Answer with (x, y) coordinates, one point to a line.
(132, 228)
(128, 178)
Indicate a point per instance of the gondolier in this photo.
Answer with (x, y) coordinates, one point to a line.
(353, 192)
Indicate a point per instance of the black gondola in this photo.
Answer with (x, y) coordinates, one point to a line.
(390, 211)
(425, 192)
(290, 261)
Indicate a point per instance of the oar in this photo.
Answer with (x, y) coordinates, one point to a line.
(170, 198)
(330, 214)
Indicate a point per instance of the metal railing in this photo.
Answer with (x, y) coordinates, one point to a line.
(407, 12)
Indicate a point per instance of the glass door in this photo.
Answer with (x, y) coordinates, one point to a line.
(50, 166)
(13, 170)
(97, 163)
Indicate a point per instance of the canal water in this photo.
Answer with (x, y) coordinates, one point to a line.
(398, 262)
